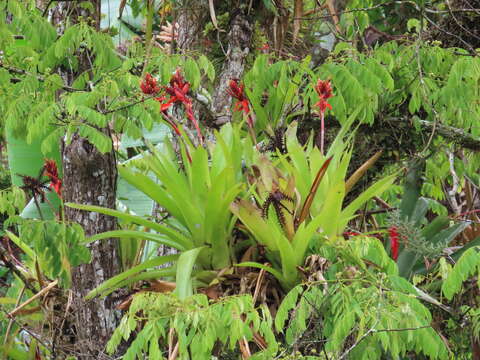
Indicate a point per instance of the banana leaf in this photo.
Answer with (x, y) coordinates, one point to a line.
(27, 159)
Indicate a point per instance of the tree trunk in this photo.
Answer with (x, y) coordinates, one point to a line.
(89, 177)
(239, 43)
(190, 19)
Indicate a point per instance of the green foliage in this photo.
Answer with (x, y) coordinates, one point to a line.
(208, 189)
(201, 231)
(282, 81)
(134, 274)
(360, 310)
(196, 324)
(57, 247)
(467, 266)
(11, 200)
(107, 94)
(292, 205)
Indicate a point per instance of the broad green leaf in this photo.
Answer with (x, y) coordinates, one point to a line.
(185, 264)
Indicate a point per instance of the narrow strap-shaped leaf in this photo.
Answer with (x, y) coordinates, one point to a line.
(352, 180)
(114, 281)
(178, 237)
(271, 270)
(140, 235)
(311, 195)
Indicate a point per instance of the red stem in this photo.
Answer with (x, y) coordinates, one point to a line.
(322, 130)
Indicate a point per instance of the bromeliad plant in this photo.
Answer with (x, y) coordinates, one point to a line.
(298, 202)
(196, 192)
(416, 242)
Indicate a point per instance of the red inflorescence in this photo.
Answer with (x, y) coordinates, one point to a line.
(178, 92)
(149, 85)
(237, 91)
(349, 234)
(264, 48)
(50, 170)
(394, 241)
(324, 91)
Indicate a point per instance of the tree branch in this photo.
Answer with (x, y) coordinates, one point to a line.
(456, 135)
(373, 331)
(15, 70)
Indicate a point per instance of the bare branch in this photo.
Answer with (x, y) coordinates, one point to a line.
(373, 331)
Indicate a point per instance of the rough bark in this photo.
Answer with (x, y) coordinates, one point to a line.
(239, 43)
(191, 15)
(90, 178)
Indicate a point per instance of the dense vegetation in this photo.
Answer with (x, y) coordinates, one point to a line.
(268, 179)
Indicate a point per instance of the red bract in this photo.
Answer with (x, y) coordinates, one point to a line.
(265, 47)
(394, 241)
(237, 91)
(350, 233)
(178, 91)
(149, 85)
(50, 170)
(324, 91)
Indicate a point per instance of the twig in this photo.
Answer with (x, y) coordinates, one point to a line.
(60, 329)
(381, 202)
(456, 183)
(14, 269)
(33, 298)
(127, 105)
(10, 322)
(28, 331)
(257, 285)
(378, 211)
(372, 331)
(472, 51)
(38, 206)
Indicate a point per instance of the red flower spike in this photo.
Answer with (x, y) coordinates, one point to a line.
(178, 92)
(237, 91)
(50, 170)
(149, 85)
(264, 48)
(324, 91)
(349, 234)
(394, 240)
